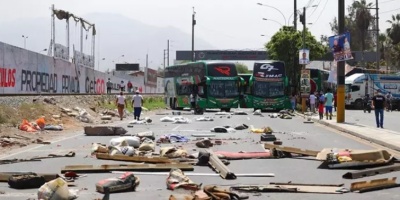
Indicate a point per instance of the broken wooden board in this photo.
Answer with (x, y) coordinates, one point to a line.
(306, 152)
(104, 156)
(371, 172)
(4, 176)
(219, 166)
(104, 130)
(303, 188)
(121, 167)
(372, 185)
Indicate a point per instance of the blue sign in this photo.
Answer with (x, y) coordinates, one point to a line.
(340, 47)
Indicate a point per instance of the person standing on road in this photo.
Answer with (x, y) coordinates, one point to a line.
(109, 86)
(193, 100)
(121, 104)
(312, 102)
(122, 86)
(130, 86)
(321, 110)
(293, 101)
(137, 103)
(328, 104)
(378, 104)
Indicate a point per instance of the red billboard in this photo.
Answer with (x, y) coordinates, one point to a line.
(151, 77)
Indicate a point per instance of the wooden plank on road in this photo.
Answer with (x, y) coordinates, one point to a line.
(292, 150)
(121, 167)
(104, 156)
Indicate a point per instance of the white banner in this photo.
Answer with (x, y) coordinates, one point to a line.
(61, 52)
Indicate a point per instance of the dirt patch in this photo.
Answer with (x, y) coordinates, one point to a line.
(13, 110)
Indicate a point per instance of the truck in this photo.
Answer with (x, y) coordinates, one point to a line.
(357, 86)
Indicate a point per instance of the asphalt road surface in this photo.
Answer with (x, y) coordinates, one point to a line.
(296, 134)
(390, 119)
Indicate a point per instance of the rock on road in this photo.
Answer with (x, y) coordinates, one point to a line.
(294, 133)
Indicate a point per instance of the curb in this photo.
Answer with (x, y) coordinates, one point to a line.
(380, 142)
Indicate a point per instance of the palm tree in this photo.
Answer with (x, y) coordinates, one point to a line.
(394, 31)
(363, 19)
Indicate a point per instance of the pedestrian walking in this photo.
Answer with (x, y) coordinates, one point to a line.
(130, 86)
(109, 86)
(312, 102)
(121, 104)
(137, 103)
(378, 104)
(328, 100)
(293, 101)
(321, 110)
(122, 86)
(193, 100)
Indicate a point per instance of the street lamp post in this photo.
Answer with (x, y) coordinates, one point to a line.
(25, 37)
(273, 21)
(284, 18)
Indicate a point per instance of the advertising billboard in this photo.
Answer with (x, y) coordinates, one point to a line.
(304, 56)
(340, 47)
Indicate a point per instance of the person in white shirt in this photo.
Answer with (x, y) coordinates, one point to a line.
(121, 104)
(137, 103)
(312, 102)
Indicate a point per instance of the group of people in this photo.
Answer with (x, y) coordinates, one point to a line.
(122, 86)
(323, 102)
(137, 103)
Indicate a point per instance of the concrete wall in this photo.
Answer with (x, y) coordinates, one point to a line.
(23, 72)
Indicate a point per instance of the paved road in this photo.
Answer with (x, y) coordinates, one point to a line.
(298, 134)
(390, 122)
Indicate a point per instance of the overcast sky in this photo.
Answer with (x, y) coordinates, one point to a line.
(226, 24)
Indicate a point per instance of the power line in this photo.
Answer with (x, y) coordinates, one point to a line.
(389, 11)
(386, 1)
(322, 11)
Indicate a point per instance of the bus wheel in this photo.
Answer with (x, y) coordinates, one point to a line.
(227, 110)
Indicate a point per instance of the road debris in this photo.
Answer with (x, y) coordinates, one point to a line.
(124, 167)
(36, 159)
(204, 119)
(26, 181)
(262, 130)
(371, 172)
(172, 138)
(304, 152)
(267, 137)
(178, 179)
(173, 152)
(292, 187)
(372, 185)
(242, 155)
(219, 166)
(104, 130)
(140, 159)
(127, 182)
(56, 189)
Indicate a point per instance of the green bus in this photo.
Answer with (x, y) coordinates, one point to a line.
(267, 85)
(216, 85)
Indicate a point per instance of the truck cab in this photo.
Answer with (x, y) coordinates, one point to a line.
(356, 88)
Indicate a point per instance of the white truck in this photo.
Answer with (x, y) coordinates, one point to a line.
(358, 85)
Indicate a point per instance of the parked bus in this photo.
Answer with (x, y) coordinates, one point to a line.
(216, 84)
(268, 85)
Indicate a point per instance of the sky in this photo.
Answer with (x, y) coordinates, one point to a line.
(226, 24)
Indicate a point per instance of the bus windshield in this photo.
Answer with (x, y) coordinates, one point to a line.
(223, 89)
(268, 89)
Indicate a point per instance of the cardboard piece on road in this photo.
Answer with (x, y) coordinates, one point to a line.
(300, 188)
(104, 130)
(104, 156)
(371, 172)
(132, 167)
(372, 185)
(359, 158)
(306, 152)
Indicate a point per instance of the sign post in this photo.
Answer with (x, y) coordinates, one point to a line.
(305, 87)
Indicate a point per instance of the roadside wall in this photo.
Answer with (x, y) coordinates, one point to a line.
(24, 72)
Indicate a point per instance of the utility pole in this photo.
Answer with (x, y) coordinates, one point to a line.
(295, 15)
(164, 58)
(193, 24)
(303, 21)
(168, 53)
(340, 70)
(377, 37)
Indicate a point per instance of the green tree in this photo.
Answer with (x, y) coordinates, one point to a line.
(357, 22)
(284, 46)
(394, 31)
(242, 68)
